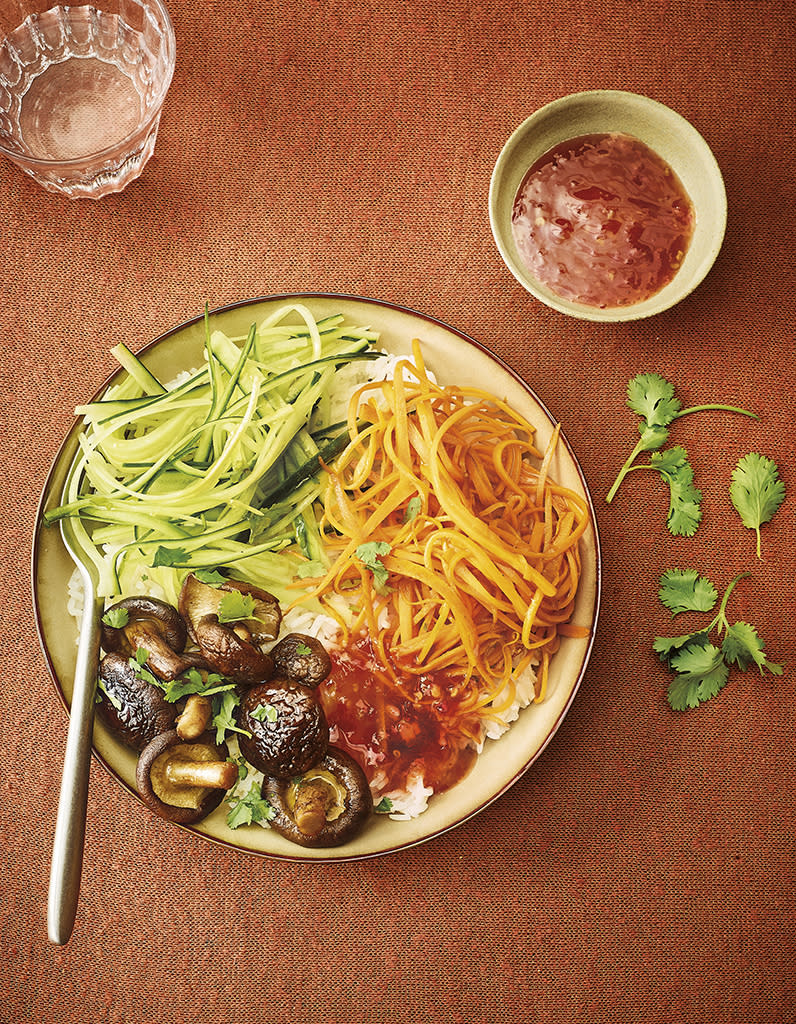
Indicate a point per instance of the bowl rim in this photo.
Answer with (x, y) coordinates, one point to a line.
(637, 103)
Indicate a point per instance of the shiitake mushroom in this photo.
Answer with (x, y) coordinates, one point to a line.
(183, 781)
(303, 658)
(284, 727)
(133, 709)
(154, 626)
(319, 793)
(231, 648)
(325, 806)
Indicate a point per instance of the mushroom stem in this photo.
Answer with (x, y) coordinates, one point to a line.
(195, 718)
(313, 799)
(212, 774)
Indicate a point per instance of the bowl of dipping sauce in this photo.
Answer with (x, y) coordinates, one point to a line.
(608, 206)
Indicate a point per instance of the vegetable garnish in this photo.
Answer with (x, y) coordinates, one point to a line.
(653, 399)
(116, 617)
(265, 713)
(756, 491)
(702, 668)
(450, 540)
(684, 590)
(224, 705)
(249, 809)
(371, 554)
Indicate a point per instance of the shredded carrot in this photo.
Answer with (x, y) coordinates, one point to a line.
(483, 555)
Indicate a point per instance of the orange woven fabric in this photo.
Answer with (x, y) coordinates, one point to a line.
(643, 869)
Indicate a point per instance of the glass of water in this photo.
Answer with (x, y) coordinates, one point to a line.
(81, 90)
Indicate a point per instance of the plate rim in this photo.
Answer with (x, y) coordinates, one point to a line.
(334, 855)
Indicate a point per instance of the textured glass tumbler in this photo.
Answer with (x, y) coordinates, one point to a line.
(81, 90)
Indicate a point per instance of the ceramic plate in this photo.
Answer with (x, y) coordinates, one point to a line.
(454, 358)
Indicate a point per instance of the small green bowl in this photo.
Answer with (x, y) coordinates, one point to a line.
(664, 131)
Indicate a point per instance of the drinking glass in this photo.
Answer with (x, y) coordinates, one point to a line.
(81, 90)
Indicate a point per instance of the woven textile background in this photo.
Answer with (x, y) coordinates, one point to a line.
(643, 869)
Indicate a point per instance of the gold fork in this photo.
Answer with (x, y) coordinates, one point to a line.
(70, 824)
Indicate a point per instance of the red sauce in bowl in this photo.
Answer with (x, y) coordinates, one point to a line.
(392, 737)
(603, 221)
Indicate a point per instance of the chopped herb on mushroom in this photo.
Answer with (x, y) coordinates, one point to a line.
(135, 710)
(303, 658)
(228, 622)
(289, 738)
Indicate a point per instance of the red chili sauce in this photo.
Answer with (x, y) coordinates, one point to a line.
(603, 221)
(392, 737)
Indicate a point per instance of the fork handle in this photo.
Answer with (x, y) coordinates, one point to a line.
(70, 823)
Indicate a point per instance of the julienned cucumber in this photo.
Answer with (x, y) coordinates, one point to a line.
(221, 467)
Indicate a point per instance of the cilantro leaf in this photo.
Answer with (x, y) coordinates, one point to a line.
(756, 491)
(250, 809)
(370, 555)
(413, 507)
(668, 646)
(684, 590)
(223, 720)
(743, 647)
(116, 618)
(170, 556)
(138, 665)
(685, 499)
(111, 697)
(652, 397)
(212, 577)
(235, 606)
(384, 806)
(193, 681)
(265, 713)
(670, 461)
(188, 683)
(701, 668)
(652, 438)
(701, 673)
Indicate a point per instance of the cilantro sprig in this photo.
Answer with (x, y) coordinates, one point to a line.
(116, 618)
(701, 667)
(236, 606)
(756, 492)
(653, 398)
(370, 554)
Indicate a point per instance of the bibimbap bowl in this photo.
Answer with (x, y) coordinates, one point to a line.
(503, 761)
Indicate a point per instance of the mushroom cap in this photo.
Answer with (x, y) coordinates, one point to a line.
(351, 802)
(135, 711)
(200, 601)
(231, 648)
(287, 727)
(232, 656)
(156, 627)
(182, 803)
(303, 658)
(171, 623)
